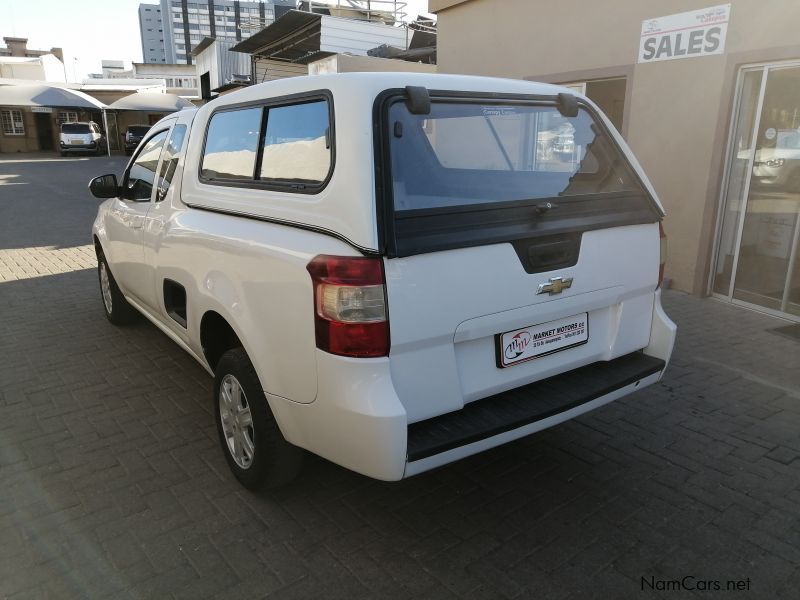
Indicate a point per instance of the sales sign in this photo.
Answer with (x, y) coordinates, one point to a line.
(685, 35)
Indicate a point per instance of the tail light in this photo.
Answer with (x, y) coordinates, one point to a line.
(662, 261)
(350, 305)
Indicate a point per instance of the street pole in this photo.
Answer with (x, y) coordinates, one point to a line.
(108, 133)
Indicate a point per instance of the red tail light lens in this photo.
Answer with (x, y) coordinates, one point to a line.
(350, 305)
(662, 261)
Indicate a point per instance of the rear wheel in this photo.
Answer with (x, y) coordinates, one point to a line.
(256, 451)
(117, 309)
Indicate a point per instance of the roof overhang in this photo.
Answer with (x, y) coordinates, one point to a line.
(151, 102)
(291, 37)
(204, 43)
(303, 37)
(55, 96)
(233, 85)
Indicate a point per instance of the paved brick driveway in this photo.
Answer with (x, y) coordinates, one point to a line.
(112, 483)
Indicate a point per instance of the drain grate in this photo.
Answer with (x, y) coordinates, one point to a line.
(790, 331)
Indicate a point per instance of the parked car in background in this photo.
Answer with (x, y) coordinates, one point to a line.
(388, 269)
(777, 168)
(133, 135)
(81, 138)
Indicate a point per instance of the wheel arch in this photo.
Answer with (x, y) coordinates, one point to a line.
(217, 336)
(98, 247)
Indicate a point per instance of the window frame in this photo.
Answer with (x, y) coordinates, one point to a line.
(12, 121)
(275, 185)
(161, 193)
(65, 116)
(126, 173)
(387, 217)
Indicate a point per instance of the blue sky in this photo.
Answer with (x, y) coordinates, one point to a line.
(88, 30)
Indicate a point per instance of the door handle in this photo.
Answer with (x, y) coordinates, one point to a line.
(137, 221)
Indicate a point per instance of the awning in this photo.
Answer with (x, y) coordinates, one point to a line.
(303, 37)
(151, 102)
(290, 37)
(46, 95)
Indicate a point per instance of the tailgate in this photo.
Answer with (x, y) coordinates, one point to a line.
(448, 308)
(521, 239)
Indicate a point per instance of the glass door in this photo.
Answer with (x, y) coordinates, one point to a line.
(757, 261)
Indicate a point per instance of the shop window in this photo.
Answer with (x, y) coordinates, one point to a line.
(12, 122)
(608, 94)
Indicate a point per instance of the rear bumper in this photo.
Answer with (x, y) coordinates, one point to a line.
(520, 412)
(366, 430)
(358, 421)
(79, 147)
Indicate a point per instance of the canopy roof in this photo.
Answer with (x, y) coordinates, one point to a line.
(152, 102)
(38, 94)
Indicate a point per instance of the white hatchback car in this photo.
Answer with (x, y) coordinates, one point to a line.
(391, 270)
(80, 137)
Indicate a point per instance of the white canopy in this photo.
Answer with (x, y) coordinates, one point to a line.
(152, 102)
(38, 94)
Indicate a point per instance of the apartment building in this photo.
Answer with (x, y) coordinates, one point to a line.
(171, 30)
(151, 29)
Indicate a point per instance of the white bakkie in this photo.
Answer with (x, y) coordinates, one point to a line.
(391, 270)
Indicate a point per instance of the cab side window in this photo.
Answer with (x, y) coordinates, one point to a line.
(232, 144)
(297, 143)
(281, 146)
(140, 179)
(172, 152)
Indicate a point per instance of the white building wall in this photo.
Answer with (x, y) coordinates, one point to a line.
(41, 68)
(343, 63)
(357, 37)
(269, 70)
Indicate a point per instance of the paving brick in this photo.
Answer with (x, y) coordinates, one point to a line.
(112, 483)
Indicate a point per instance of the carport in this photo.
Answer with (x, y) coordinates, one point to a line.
(141, 108)
(32, 113)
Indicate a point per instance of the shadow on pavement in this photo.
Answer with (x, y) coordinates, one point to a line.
(34, 186)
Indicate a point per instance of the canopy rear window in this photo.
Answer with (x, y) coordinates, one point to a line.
(476, 171)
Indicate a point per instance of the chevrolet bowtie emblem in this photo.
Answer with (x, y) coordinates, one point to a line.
(555, 286)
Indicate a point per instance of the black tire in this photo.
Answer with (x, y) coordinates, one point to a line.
(117, 309)
(272, 461)
(62, 153)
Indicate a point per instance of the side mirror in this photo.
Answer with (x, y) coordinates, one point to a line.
(104, 186)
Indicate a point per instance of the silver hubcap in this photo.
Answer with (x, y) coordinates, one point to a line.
(105, 287)
(237, 422)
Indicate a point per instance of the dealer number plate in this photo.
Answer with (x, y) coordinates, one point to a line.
(517, 346)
